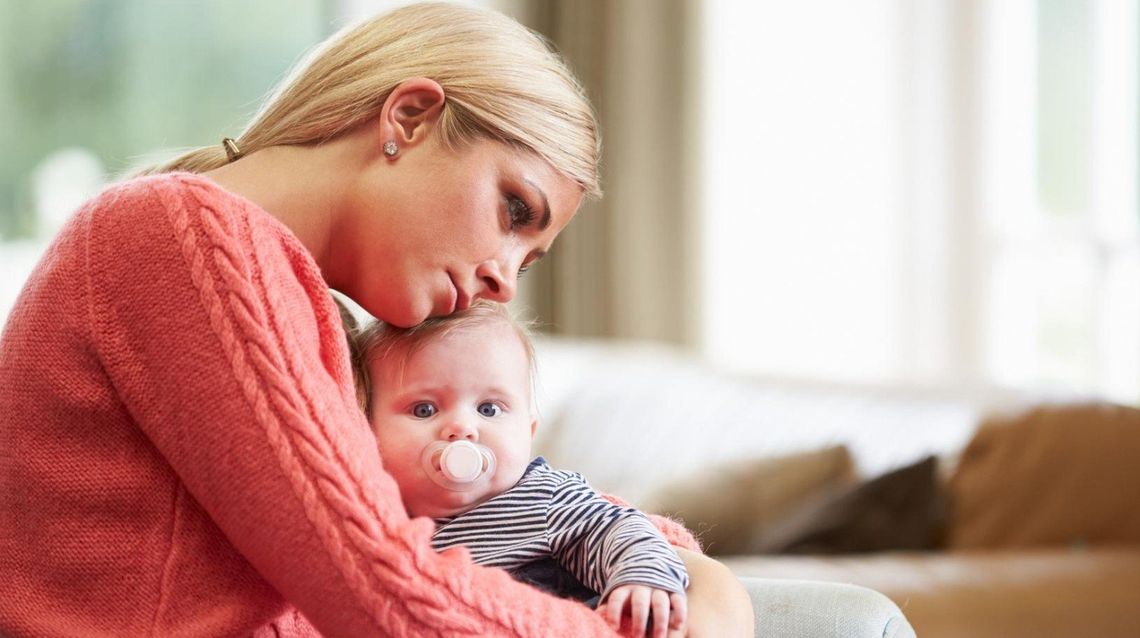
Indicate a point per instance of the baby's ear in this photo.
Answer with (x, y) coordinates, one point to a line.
(533, 427)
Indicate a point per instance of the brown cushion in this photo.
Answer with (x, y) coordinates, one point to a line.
(1058, 474)
(727, 505)
(904, 509)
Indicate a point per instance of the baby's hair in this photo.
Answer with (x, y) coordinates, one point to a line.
(382, 341)
(352, 333)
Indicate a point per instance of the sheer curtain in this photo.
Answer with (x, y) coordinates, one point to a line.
(625, 266)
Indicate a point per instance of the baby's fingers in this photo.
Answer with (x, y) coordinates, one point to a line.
(680, 615)
(660, 604)
(614, 606)
(639, 610)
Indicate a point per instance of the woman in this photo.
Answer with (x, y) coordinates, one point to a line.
(182, 449)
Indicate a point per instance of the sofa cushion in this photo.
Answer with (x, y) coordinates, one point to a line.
(728, 505)
(1057, 474)
(905, 508)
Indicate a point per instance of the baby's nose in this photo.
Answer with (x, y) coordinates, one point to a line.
(457, 430)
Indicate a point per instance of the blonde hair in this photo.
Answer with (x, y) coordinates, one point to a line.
(501, 81)
(380, 341)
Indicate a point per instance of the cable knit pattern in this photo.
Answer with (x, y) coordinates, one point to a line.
(182, 453)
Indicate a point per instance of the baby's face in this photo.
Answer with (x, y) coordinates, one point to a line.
(472, 384)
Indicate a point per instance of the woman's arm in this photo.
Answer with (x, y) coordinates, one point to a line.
(221, 342)
(719, 606)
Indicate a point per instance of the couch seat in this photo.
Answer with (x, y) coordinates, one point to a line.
(1048, 592)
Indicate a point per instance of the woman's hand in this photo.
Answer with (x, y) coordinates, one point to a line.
(627, 610)
(718, 603)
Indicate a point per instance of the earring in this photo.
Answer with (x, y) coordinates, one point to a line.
(390, 148)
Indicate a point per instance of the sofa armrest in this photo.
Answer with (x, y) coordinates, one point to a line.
(809, 609)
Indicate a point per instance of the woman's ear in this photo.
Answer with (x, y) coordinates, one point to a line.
(411, 110)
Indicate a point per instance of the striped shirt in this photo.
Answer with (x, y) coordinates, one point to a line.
(555, 514)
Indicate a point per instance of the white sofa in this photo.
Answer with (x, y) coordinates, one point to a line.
(633, 417)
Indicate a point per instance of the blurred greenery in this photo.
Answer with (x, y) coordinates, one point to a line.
(126, 79)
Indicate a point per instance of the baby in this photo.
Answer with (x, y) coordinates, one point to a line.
(452, 407)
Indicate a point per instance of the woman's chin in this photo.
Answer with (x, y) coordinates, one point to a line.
(407, 318)
(403, 314)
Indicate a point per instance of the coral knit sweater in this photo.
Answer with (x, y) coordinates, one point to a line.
(181, 453)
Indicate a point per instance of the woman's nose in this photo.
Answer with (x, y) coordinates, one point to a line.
(500, 280)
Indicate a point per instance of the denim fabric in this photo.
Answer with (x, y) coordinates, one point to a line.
(808, 609)
(552, 578)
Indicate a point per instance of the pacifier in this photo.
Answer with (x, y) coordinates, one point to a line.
(457, 465)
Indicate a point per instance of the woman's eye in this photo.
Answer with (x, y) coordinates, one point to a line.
(489, 409)
(423, 410)
(522, 271)
(520, 214)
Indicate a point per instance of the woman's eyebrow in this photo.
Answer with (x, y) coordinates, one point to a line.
(543, 223)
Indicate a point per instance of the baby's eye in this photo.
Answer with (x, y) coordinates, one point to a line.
(423, 410)
(489, 409)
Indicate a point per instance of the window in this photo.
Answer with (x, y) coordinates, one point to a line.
(98, 88)
(933, 193)
(90, 89)
(1059, 198)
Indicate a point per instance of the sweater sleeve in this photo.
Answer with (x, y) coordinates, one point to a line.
(222, 342)
(605, 545)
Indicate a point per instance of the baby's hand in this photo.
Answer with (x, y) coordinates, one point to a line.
(627, 609)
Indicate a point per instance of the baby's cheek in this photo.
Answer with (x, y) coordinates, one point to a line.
(403, 471)
(508, 474)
